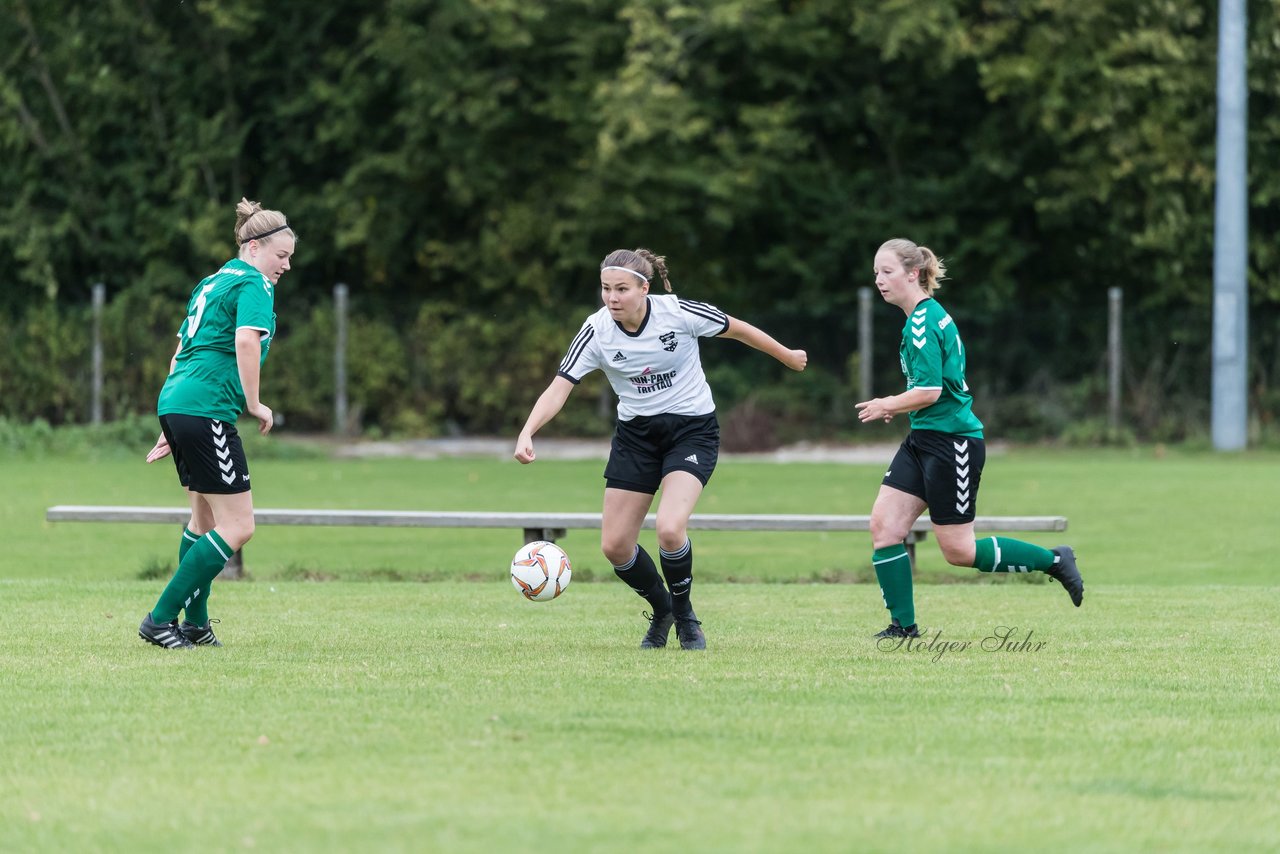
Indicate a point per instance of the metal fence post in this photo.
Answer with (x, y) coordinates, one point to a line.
(340, 360)
(1230, 394)
(99, 300)
(1115, 353)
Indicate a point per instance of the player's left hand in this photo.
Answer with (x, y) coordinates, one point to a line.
(796, 360)
(873, 410)
(160, 450)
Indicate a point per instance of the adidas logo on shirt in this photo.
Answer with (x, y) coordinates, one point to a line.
(618, 357)
(692, 458)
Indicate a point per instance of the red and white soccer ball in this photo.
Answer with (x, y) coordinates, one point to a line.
(540, 571)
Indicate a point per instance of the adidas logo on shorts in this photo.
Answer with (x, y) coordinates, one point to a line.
(692, 458)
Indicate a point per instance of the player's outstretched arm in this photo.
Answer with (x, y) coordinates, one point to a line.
(740, 330)
(550, 402)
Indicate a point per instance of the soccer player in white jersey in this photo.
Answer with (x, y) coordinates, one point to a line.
(939, 464)
(213, 377)
(666, 436)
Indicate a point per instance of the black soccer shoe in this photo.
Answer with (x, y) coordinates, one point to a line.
(200, 635)
(689, 631)
(166, 635)
(895, 630)
(659, 630)
(1067, 573)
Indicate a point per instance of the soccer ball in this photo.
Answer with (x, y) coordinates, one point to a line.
(540, 571)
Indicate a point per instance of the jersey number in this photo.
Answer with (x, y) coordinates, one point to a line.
(193, 320)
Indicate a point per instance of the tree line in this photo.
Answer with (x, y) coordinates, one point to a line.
(463, 164)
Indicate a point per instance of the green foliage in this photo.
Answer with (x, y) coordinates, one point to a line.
(468, 163)
(131, 436)
(299, 378)
(47, 362)
(127, 438)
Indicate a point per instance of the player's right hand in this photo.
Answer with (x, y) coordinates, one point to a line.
(160, 450)
(524, 450)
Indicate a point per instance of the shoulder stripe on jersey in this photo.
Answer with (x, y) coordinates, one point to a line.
(575, 349)
(703, 310)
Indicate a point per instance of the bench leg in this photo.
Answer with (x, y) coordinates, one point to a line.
(234, 568)
(914, 537)
(548, 534)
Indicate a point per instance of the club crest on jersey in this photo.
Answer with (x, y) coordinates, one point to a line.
(668, 340)
(618, 357)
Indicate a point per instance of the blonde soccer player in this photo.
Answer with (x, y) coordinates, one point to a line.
(939, 465)
(213, 378)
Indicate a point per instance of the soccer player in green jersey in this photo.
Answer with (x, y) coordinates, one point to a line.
(939, 464)
(213, 377)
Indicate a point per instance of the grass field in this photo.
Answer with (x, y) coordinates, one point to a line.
(365, 714)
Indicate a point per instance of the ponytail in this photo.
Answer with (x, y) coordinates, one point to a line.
(922, 258)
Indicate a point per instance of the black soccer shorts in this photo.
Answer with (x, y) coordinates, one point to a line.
(207, 453)
(649, 447)
(941, 469)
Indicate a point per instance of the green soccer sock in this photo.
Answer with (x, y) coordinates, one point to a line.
(200, 565)
(198, 610)
(1003, 554)
(893, 571)
(188, 540)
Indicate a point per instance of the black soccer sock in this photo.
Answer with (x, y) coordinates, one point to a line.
(641, 575)
(677, 568)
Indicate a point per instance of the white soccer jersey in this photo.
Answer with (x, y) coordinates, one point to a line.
(656, 369)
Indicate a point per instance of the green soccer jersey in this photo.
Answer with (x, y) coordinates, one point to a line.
(932, 356)
(205, 379)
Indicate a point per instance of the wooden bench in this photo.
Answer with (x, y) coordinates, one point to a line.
(536, 526)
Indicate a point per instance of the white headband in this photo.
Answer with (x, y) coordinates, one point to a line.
(628, 269)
